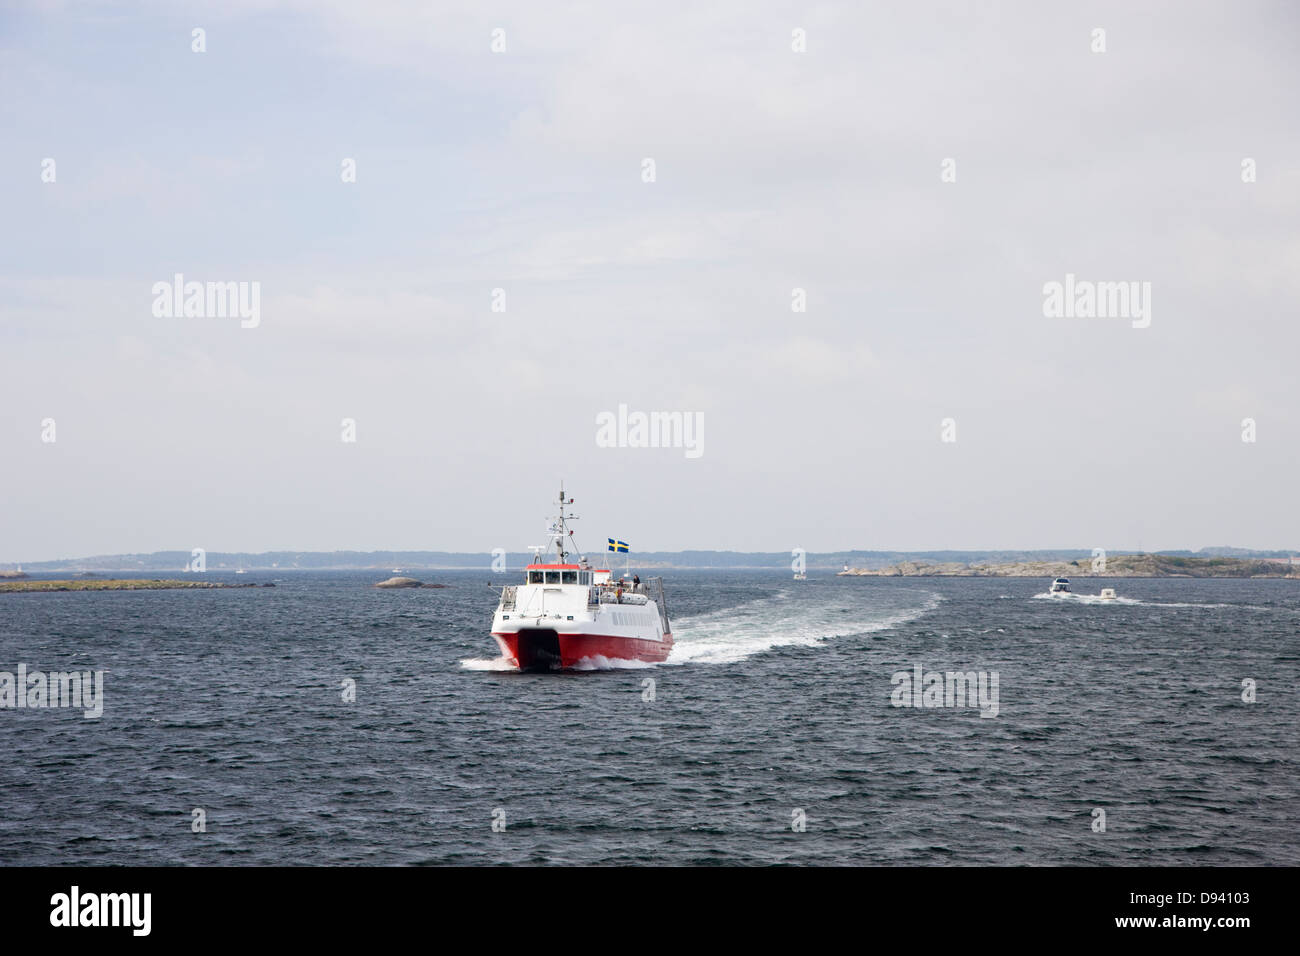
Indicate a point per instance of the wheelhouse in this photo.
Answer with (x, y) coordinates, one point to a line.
(559, 574)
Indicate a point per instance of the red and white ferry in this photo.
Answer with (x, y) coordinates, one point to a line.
(567, 612)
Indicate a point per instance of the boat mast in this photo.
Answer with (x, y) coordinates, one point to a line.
(559, 543)
(562, 531)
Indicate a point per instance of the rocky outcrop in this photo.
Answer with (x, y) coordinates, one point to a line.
(401, 583)
(101, 584)
(1116, 566)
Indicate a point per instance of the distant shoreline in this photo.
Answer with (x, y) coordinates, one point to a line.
(124, 584)
(1114, 566)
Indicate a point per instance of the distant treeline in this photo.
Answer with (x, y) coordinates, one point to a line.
(366, 560)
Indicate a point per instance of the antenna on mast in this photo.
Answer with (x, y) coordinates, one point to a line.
(561, 528)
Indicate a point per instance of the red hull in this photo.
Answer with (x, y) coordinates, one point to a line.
(544, 649)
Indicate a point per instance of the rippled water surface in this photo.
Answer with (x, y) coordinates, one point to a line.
(777, 700)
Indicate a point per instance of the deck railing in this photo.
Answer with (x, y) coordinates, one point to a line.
(508, 597)
(653, 588)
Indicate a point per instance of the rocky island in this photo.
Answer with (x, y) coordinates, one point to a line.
(127, 584)
(406, 583)
(1114, 566)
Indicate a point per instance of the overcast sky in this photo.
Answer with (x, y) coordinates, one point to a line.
(522, 170)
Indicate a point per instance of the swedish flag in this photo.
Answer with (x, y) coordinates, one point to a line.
(620, 546)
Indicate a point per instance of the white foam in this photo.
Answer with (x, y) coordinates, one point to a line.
(1178, 604)
(733, 634)
(598, 662)
(1086, 598)
(488, 664)
(1097, 599)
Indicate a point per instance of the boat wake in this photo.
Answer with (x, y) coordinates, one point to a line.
(735, 633)
(1085, 598)
(1097, 599)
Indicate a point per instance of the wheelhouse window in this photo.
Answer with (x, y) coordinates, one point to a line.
(569, 577)
(552, 577)
(534, 577)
